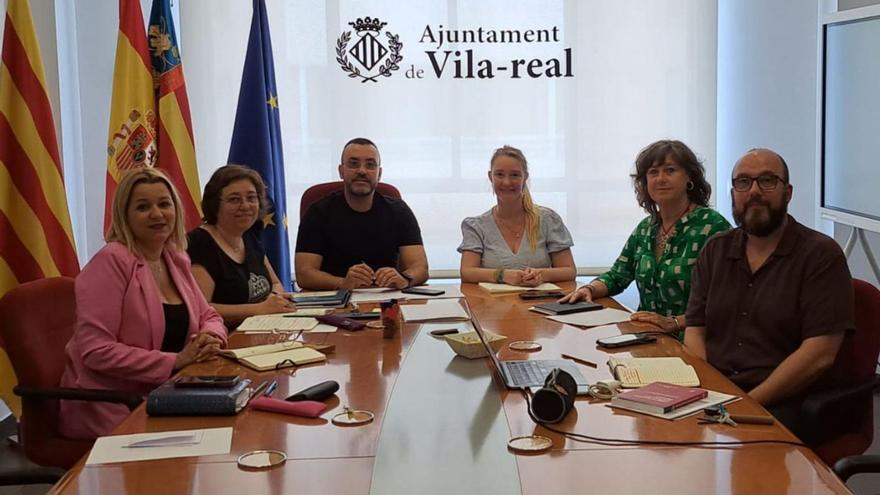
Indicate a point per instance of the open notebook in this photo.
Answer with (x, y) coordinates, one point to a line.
(638, 372)
(274, 356)
(303, 319)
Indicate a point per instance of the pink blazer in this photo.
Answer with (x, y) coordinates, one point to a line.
(119, 330)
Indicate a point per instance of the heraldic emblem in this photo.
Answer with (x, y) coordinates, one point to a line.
(134, 145)
(373, 58)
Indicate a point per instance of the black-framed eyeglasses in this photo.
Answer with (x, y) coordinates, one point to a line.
(766, 182)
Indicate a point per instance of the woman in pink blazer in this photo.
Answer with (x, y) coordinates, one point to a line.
(140, 313)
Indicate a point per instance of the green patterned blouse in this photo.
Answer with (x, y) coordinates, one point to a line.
(665, 283)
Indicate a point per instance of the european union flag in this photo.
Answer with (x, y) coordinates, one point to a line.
(256, 139)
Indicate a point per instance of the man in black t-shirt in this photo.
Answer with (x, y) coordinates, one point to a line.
(357, 238)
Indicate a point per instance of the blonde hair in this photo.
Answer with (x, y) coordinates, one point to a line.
(120, 230)
(533, 219)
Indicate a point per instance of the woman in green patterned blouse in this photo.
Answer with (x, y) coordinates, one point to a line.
(659, 254)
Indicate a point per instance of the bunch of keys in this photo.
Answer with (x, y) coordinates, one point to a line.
(719, 415)
(716, 414)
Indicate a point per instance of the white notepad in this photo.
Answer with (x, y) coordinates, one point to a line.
(604, 316)
(512, 289)
(447, 309)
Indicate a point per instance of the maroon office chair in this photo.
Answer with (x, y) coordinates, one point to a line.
(841, 420)
(318, 191)
(37, 320)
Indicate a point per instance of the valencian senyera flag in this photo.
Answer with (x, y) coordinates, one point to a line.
(132, 140)
(256, 139)
(36, 239)
(177, 156)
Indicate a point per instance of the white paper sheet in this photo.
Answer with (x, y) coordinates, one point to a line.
(112, 449)
(501, 289)
(452, 292)
(323, 328)
(713, 399)
(593, 318)
(434, 310)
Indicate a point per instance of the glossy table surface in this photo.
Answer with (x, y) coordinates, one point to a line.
(442, 425)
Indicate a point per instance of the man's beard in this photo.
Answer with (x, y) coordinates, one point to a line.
(757, 224)
(361, 191)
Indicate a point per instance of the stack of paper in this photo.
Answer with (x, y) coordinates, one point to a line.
(372, 295)
(593, 318)
(512, 289)
(434, 310)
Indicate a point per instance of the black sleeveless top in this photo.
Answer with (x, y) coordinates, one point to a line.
(234, 283)
(176, 327)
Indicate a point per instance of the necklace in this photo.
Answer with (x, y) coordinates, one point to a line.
(664, 234)
(156, 266)
(516, 231)
(237, 247)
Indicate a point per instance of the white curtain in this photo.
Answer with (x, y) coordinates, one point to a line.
(642, 71)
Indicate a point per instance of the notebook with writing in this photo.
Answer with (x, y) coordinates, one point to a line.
(274, 356)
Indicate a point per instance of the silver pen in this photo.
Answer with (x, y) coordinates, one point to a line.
(168, 441)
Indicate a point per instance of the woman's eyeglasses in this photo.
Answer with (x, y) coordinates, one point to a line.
(238, 200)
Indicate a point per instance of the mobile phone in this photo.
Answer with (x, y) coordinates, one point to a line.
(423, 291)
(541, 294)
(207, 381)
(625, 339)
(443, 331)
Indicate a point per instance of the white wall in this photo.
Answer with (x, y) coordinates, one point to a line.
(768, 76)
(767, 87)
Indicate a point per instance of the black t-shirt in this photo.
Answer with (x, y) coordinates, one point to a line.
(345, 237)
(234, 283)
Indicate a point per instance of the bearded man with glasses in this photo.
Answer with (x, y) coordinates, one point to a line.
(771, 300)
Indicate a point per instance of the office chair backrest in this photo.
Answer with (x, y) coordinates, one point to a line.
(37, 321)
(318, 191)
(857, 359)
(851, 425)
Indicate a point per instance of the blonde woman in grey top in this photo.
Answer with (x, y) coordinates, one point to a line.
(516, 242)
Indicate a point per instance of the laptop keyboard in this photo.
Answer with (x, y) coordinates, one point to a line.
(526, 373)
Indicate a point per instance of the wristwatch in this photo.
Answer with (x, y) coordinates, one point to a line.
(408, 279)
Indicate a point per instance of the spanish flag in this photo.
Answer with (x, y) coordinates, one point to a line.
(132, 140)
(177, 154)
(36, 239)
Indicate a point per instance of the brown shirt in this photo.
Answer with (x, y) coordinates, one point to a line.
(755, 320)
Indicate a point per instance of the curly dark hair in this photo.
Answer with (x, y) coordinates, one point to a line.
(224, 176)
(656, 153)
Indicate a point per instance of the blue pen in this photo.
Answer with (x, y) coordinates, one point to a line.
(271, 388)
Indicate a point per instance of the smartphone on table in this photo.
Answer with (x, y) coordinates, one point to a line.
(423, 291)
(625, 339)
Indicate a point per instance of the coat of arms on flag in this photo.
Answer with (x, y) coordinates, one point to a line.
(134, 144)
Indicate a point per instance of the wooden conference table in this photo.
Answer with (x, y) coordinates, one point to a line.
(443, 422)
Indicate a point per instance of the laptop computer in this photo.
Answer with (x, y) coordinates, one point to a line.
(518, 374)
